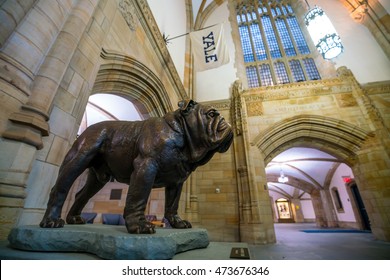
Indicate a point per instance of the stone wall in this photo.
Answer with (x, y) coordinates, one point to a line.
(49, 64)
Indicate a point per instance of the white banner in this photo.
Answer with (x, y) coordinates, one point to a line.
(209, 48)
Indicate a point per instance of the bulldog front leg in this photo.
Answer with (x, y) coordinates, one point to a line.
(140, 186)
(172, 197)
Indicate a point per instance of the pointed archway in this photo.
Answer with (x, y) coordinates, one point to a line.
(335, 137)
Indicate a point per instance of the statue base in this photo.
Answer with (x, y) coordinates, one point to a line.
(108, 242)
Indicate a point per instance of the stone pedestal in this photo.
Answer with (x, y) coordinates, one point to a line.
(108, 242)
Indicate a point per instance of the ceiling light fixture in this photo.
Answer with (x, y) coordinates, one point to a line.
(323, 33)
(282, 178)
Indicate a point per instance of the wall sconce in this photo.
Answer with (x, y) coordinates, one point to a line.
(322, 32)
(217, 190)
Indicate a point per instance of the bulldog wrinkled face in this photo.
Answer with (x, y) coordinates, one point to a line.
(219, 131)
(207, 127)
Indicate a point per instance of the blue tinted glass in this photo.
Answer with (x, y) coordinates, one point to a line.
(285, 37)
(311, 69)
(271, 38)
(265, 75)
(284, 10)
(298, 36)
(246, 44)
(258, 42)
(290, 10)
(296, 70)
(273, 12)
(251, 75)
(281, 73)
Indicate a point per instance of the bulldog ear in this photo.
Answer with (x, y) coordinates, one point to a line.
(186, 105)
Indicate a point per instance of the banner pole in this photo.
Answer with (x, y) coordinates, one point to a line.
(167, 39)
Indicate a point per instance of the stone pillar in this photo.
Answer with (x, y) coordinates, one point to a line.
(255, 212)
(26, 127)
(11, 13)
(297, 210)
(318, 209)
(323, 208)
(31, 122)
(372, 178)
(327, 205)
(372, 163)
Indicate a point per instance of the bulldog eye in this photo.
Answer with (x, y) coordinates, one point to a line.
(212, 114)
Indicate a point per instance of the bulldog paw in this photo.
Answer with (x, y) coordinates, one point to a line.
(52, 223)
(142, 227)
(177, 222)
(75, 220)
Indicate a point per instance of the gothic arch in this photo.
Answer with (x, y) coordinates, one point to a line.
(129, 78)
(126, 77)
(336, 137)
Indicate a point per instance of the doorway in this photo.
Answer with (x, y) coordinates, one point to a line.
(360, 207)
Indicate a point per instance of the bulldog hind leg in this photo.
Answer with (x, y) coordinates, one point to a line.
(74, 164)
(95, 182)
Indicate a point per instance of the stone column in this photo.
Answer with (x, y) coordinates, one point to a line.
(12, 12)
(318, 209)
(255, 212)
(31, 122)
(323, 208)
(372, 163)
(27, 126)
(327, 205)
(372, 179)
(297, 210)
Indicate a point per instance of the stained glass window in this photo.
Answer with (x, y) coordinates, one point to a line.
(281, 73)
(265, 75)
(251, 74)
(273, 45)
(297, 70)
(311, 69)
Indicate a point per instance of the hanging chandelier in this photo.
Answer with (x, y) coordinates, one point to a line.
(323, 34)
(282, 178)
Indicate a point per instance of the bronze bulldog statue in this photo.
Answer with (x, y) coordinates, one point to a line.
(157, 152)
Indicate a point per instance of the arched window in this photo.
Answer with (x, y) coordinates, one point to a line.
(337, 200)
(274, 48)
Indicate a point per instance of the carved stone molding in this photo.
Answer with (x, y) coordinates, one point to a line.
(237, 107)
(243, 171)
(220, 104)
(128, 12)
(146, 18)
(360, 11)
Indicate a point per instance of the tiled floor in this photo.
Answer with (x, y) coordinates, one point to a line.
(292, 244)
